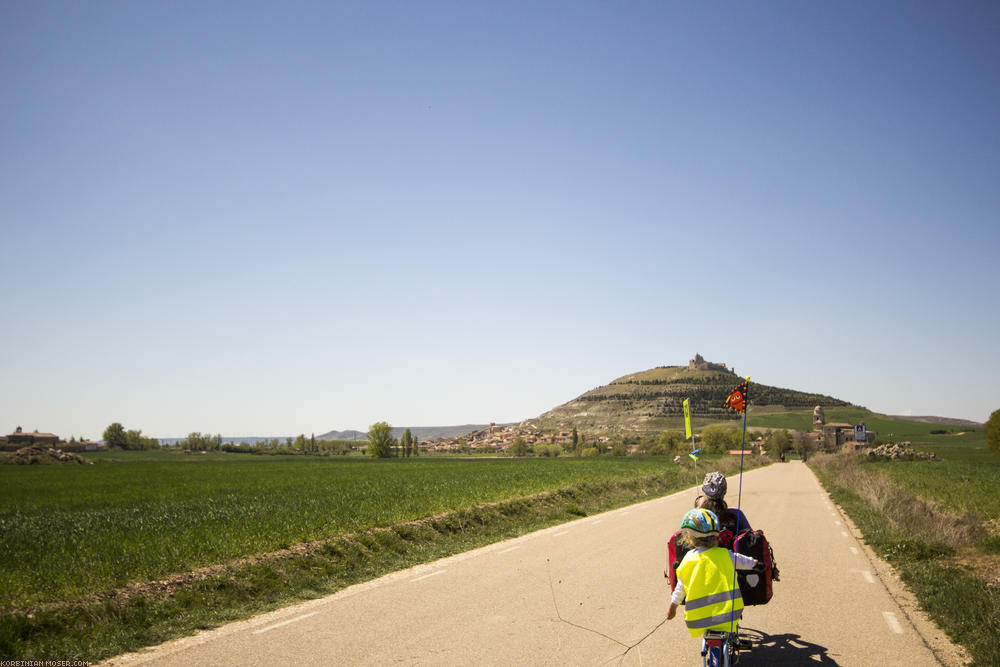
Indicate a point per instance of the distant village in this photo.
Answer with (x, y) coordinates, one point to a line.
(496, 438)
(21, 438)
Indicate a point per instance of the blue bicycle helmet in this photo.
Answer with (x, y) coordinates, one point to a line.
(701, 521)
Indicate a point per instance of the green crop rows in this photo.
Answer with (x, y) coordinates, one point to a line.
(70, 531)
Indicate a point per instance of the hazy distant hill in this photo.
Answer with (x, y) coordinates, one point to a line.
(227, 439)
(419, 432)
(944, 421)
(653, 399)
(342, 435)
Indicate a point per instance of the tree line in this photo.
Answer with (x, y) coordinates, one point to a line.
(115, 435)
(715, 439)
(381, 444)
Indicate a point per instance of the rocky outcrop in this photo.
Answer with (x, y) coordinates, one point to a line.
(896, 452)
(42, 455)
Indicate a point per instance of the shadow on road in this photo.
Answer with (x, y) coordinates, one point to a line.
(787, 649)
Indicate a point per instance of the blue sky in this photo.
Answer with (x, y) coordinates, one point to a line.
(282, 218)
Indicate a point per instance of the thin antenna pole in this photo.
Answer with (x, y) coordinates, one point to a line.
(739, 499)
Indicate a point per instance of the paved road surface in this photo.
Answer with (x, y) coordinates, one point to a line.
(592, 592)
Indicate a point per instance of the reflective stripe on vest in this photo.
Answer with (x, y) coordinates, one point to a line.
(713, 598)
(721, 619)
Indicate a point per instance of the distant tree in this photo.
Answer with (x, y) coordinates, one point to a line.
(135, 440)
(720, 439)
(192, 442)
(619, 448)
(547, 450)
(405, 442)
(201, 442)
(671, 440)
(780, 441)
(992, 430)
(519, 447)
(380, 440)
(576, 438)
(805, 443)
(114, 436)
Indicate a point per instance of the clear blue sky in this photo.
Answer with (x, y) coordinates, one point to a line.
(282, 218)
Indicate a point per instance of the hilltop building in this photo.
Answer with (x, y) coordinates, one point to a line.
(699, 364)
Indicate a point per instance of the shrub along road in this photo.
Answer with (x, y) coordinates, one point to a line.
(592, 592)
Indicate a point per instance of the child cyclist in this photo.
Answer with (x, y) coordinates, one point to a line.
(707, 577)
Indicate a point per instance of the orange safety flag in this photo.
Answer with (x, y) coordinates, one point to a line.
(738, 399)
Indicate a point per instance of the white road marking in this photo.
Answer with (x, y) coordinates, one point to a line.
(509, 550)
(844, 533)
(284, 623)
(565, 532)
(426, 576)
(868, 576)
(837, 523)
(854, 550)
(890, 619)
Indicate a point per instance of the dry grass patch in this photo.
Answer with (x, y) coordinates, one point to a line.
(911, 515)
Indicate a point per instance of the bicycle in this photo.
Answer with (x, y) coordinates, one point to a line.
(721, 648)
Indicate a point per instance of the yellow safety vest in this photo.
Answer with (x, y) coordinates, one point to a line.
(713, 600)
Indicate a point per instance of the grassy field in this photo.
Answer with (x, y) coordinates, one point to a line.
(150, 514)
(76, 535)
(937, 522)
(886, 427)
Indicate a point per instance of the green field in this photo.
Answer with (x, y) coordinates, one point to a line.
(98, 560)
(73, 530)
(965, 477)
(951, 571)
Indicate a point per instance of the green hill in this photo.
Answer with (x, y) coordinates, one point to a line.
(652, 400)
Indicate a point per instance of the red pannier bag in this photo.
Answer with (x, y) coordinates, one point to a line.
(755, 587)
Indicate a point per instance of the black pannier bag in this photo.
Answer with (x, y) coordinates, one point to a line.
(755, 587)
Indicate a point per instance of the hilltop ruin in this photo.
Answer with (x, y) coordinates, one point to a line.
(699, 364)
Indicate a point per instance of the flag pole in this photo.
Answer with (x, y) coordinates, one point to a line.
(688, 431)
(739, 493)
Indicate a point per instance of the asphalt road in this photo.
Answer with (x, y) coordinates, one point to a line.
(592, 592)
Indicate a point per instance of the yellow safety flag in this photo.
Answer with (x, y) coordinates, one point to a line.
(687, 419)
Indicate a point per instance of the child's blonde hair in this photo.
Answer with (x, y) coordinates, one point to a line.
(695, 540)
